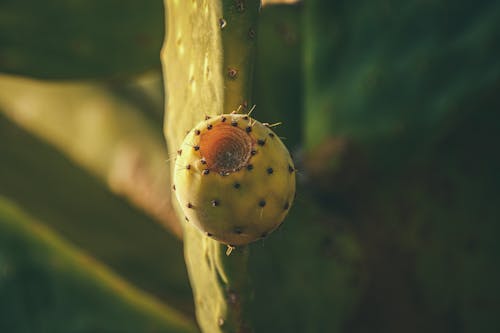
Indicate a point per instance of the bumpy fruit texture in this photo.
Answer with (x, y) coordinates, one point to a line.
(234, 179)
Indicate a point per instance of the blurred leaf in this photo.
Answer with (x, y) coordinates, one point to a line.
(78, 206)
(278, 83)
(48, 286)
(401, 130)
(80, 39)
(106, 134)
(389, 75)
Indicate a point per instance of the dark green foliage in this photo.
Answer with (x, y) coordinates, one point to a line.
(77, 205)
(315, 284)
(48, 286)
(385, 72)
(80, 39)
(402, 129)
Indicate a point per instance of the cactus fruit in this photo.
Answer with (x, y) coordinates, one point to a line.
(234, 178)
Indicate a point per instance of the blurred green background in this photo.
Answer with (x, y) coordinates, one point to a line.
(391, 110)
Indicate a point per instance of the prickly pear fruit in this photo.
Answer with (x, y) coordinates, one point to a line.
(234, 178)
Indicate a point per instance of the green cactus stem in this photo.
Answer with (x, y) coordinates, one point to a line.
(207, 61)
(238, 31)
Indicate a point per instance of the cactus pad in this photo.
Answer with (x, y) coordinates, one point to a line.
(234, 179)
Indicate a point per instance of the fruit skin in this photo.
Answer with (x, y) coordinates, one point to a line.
(246, 203)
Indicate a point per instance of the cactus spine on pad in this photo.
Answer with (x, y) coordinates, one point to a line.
(207, 60)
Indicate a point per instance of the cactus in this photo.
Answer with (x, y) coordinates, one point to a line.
(234, 179)
(208, 57)
(391, 107)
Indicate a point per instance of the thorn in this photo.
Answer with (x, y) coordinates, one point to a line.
(222, 23)
(230, 249)
(172, 156)
(232, 73)
(189, 144)
(244, 105)
(251, 110)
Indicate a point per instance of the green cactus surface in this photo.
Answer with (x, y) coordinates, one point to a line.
(238, 24)
(234, 179)
(204, 41)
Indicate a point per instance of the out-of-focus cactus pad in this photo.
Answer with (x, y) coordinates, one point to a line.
(46, 285)
(79, 39)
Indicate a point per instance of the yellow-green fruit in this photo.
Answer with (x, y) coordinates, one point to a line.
(234, 179)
